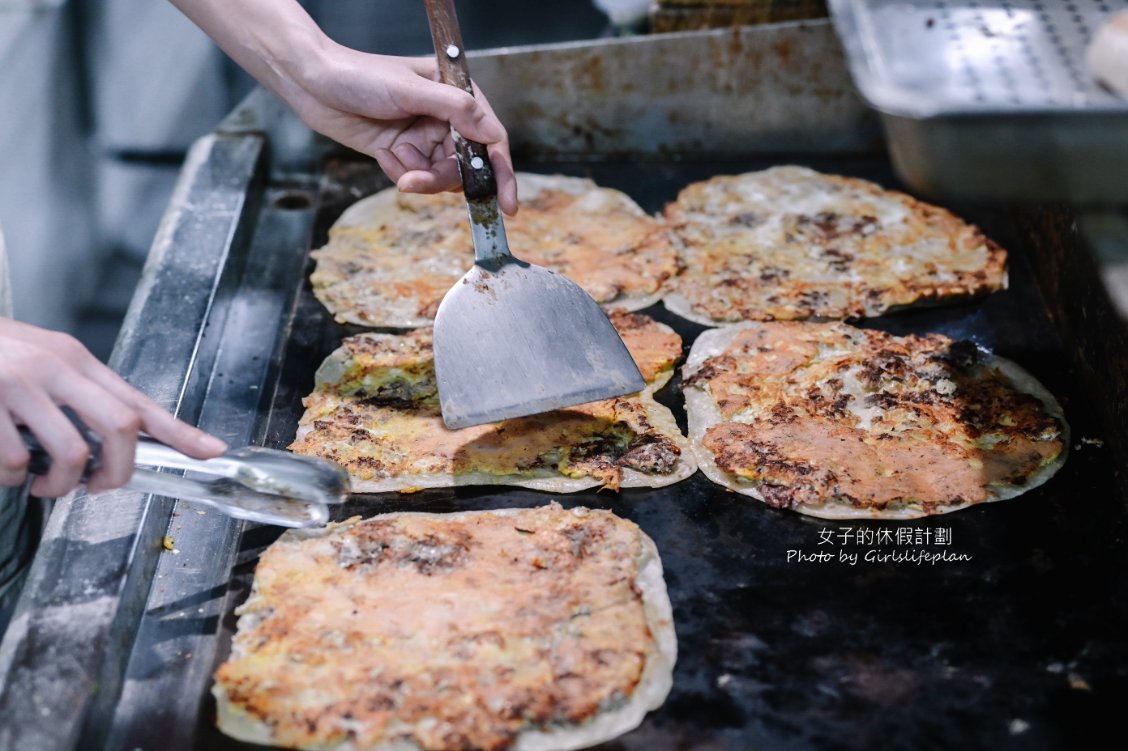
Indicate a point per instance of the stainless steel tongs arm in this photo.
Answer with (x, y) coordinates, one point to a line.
(152, 453)
(231, 499)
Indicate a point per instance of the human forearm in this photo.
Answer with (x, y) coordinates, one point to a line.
(271, 39)
(391, 108)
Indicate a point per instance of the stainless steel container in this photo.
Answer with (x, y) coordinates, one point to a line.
(990, 100)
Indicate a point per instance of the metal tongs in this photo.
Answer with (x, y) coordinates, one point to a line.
(253, 483)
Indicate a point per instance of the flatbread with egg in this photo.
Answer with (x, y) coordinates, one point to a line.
(840, 422)
(791, 243)
(375, 411)
(392, 256)
(540, 628)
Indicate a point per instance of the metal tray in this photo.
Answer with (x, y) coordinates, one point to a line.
(990, 100)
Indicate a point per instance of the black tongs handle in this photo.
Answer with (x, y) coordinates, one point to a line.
(40, 462)
(478, 180)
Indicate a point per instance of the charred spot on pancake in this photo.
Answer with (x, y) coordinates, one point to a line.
(369, 545)
(838, 408)
(584, 539)
(780, 413)
(960, 354)
(651, 454)
(770, 274)
(710, 369)
(433, 552)
(811, 300)
(737, 449)
(838, 260)
(366, 547)
(885, 363)
(400, 393)
(747, 219)
(608, 444)
(369, 463)
(827, 226)
(778, 496)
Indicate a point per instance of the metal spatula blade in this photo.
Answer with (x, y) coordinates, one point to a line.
(515, 339)
(511, 338)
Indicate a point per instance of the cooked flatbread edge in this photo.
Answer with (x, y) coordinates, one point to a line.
(375, 209)
(702, 414)
(649, 694)
(660, 417)
(680, 305)
(336, 364)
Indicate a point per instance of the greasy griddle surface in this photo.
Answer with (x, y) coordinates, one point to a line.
(1025, 645)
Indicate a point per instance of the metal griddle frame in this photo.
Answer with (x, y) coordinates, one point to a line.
(115, 638)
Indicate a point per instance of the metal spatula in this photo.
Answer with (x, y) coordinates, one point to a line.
(511, 338)
(254, 483)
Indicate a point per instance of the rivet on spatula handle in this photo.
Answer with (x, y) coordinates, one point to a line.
(473, 159)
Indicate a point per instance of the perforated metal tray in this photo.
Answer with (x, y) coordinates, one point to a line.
(990, 100)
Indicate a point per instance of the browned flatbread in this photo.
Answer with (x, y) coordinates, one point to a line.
(375, 411)
(791, 243)
(392, 256)
(839, 422)
(538, 628)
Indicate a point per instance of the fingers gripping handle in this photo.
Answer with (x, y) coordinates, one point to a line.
(473, 159)
(40, 461)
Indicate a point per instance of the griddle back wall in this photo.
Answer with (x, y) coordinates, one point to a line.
(1070, 278)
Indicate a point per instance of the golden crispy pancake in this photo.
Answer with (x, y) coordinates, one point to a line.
(791, 243)
(392, 256)
(839, 422)
(375, 411)
(523, 628)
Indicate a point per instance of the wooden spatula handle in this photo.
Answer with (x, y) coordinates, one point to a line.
(473, 158)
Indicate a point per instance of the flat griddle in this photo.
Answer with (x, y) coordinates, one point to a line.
(1024, 644)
